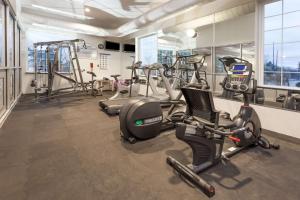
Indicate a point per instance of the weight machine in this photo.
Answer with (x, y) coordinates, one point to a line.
(45, 73)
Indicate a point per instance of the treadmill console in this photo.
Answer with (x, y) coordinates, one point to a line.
(238, 77)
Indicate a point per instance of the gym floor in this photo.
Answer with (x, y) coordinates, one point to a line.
(69, 150)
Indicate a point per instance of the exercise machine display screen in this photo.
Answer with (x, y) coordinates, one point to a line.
(238, 77)
(239, 72)
(239, 67)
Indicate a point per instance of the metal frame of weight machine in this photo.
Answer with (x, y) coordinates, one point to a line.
(78, 84)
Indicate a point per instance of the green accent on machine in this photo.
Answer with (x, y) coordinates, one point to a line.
(139, 122)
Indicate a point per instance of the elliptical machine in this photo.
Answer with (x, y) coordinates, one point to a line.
(143, 119)
(179, 72)
(258, 97)
(205, 130)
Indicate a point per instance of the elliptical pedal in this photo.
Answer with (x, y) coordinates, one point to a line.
(131, 140)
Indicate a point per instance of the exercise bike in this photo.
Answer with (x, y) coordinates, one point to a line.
(91, 84)
(130, 87)
(204, 129)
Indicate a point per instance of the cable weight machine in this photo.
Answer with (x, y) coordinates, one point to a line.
(46, 72)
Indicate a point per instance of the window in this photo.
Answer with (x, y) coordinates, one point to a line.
(34, 36)
(2, 47)
(186, 52)
(19, 35)
(41, 59)
(282, 44)
(30, 65)
(17, 47)
(63, 57)
(64, 60)
(10, 43)
(148, 49)
(165, 56)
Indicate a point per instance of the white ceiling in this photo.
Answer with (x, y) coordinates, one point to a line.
(117, 8)
(106, 15)
(115, 18)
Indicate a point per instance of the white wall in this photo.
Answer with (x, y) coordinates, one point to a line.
(277, 120)
(205, 36)
(239, 30)
(126, 60)
(116, 64)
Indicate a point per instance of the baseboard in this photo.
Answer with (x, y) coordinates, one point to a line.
(8, 111)
(281, 136)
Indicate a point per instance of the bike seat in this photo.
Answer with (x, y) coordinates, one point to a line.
(92, 73)
(115, 76)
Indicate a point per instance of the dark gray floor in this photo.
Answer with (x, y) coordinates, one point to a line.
(71, 150)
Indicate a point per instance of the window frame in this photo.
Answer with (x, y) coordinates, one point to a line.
(260, 49)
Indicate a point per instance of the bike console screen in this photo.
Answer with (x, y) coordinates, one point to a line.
(238, 77)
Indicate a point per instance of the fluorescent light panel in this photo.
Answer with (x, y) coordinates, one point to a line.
(60, 12)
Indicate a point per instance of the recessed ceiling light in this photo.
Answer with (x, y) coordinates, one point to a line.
(87, 10)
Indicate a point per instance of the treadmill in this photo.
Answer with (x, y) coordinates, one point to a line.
(112, 107)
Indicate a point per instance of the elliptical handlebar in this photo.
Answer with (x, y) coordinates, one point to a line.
(169, 68)
(154, 66)
(136, 65)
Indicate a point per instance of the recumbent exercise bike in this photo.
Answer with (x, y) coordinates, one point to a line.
(204, 129)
